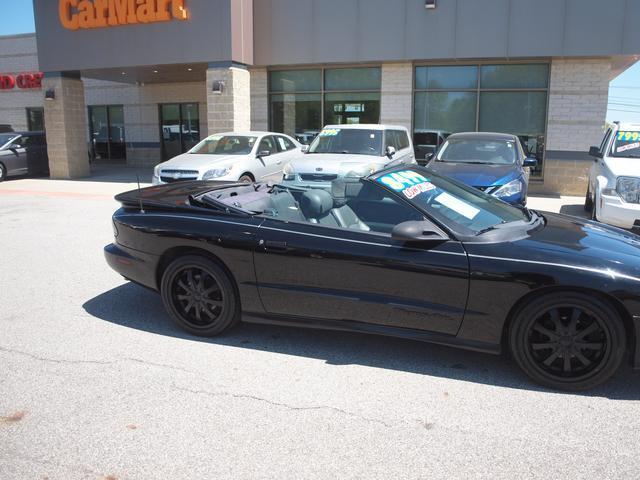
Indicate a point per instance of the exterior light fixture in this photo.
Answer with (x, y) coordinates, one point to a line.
(430, 4)
(218, 87)
(155, 71)
(50, 94)
(190, 69)
(124, 73)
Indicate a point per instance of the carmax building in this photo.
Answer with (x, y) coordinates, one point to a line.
(138, 81)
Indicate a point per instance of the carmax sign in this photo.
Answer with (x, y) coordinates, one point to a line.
(85, 14)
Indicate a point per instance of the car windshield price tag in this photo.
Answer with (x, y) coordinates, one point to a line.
(330, 132)
(410, 183)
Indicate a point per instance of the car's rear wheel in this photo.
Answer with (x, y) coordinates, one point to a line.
(568, 341)
(199, 296)
(3, 172)
(246, 178)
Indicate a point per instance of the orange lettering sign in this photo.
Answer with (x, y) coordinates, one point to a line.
(84, 14)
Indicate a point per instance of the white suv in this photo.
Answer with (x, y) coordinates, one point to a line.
(613, 193)
(339, 150)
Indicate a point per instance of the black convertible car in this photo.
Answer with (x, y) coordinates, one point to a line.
(402, 252)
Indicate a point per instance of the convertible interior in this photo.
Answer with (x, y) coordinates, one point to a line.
(349, 204)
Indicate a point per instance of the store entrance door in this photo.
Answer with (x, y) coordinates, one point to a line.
(179, 128)
(106, 129)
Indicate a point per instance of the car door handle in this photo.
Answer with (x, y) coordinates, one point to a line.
(273, 246)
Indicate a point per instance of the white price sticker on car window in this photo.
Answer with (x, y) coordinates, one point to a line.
(629, 146)
(457, 205)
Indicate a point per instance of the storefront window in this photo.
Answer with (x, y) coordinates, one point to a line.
(350, 108)
(446, 111)
(107, 132)
(508, 98)
(301, 102)
(179, 127)
(35, 119)
(296, 114)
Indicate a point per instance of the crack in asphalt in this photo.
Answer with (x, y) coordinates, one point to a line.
(283, 405)
(92, 362)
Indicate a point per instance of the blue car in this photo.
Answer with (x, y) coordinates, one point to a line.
(492, 162)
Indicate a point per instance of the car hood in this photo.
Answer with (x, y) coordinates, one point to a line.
(339, 163)
(576, 241)
(625, 167)
(477, 175)
(196, 161)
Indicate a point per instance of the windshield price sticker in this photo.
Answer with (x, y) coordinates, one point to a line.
(416, 190)
(330, 132)
(625, 136)
(628, 146)
(457, 205)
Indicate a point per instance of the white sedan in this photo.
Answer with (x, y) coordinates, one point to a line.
(244, 157)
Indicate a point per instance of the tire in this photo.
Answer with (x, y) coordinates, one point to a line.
(594, 209)
(246, 178)
(199, 296)
(3, 172)
(588, 202)
(568, 341)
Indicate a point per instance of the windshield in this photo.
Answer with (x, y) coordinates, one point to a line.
(497, 152)
(356, 141)
(462, 208)
(626, 144)
(225, 145)
(6, 138)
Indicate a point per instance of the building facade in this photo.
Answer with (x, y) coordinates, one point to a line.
(138, 82)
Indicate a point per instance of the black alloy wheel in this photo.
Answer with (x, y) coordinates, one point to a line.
(199, 296)
(568, 341)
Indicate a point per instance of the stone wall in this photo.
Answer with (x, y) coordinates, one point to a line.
(578, 96)
(65, 119)
(230, 110)
(396, 96)
(259, 99)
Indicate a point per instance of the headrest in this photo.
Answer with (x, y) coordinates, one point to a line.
(344, 189)
(316, 203)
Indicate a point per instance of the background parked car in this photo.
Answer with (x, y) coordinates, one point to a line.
(342, 149)
(492, 162)
(427, 141)
(244, 157)
(613, 192)
(23, 153)
(5, 128)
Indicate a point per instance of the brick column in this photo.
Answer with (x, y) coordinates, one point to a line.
(231, 109)
(396, 105)
(65, 119)
(578, 97)
(259, 99)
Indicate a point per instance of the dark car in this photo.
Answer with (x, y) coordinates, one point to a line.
(427, 142)
(492, 162)
(403, 252)
(23, 153)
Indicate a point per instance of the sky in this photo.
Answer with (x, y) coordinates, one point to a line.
(624, 91)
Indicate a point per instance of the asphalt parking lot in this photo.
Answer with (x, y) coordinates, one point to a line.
(97, 383)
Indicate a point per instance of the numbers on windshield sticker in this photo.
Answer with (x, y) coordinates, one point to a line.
(400, 180)
(626, 136)
(330, 132)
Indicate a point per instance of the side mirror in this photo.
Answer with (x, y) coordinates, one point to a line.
(304, 148)
(428, 156)
(594, 152)
(263, 153)
(530, 162)
(416, 231)
(390, 151)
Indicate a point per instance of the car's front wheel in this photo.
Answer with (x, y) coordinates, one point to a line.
(3, 172)
(568, 341)
(199, 296)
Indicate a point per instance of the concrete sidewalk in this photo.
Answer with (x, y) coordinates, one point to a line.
(107, 181)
